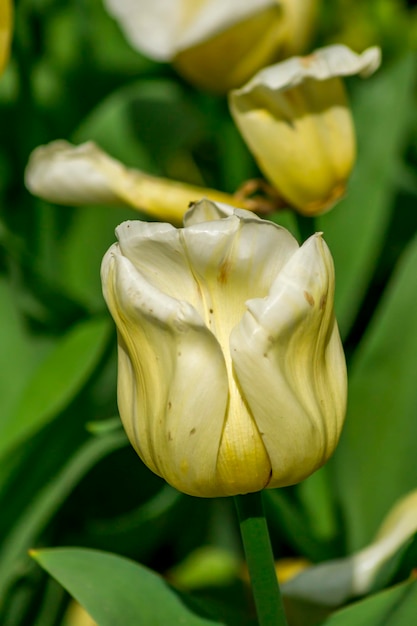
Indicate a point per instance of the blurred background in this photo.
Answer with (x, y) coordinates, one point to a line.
(67, 474)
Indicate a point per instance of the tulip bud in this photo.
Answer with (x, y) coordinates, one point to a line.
(231, 371)
(74, 175)
(296, 121)
(215, 44)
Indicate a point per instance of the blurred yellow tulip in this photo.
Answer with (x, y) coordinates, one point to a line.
(215, 44)
(295, 119)
(6, 20)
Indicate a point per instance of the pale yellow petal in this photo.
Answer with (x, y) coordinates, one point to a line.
(74, 175)
(172, 387)
(289, 362)
(295, 119)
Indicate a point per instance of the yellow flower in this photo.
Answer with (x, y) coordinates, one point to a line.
(6, 17)
(296, 121)
(231, 372)
(215, 44)
(75, 175)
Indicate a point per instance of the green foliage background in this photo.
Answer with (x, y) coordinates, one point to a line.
(67, 475)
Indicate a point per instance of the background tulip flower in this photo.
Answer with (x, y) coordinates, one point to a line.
(6, 15)
(74, 175)
(231, 371)
(333, 582)
(295, 119)
(215, 44)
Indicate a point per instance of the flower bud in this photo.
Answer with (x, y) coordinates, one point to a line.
(231, 371)
(216, 45)
(74, 175)
(296, 121)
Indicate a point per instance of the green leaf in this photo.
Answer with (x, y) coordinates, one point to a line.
(375, 462)
(394, 607)
(60, 376)
(355, 228)
(115, 590)
(288, 520)
(18, 354)
(81, 249)
(40, 510)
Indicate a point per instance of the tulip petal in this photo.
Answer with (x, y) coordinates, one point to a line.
(322, 64)
(173, 388)
(161, 28)
(66, 174)
(289, 362)
(156, 251)
(235, 250)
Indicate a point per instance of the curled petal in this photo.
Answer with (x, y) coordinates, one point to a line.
(322, 64)
(172, 388)
(289, 362)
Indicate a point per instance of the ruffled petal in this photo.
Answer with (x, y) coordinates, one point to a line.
(172, 387)
(322, 64)
(156, 250)
(290, 365)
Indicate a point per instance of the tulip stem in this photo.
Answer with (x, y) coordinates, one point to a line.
(260, 560)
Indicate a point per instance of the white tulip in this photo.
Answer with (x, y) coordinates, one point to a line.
(215, 44)
(231, 371)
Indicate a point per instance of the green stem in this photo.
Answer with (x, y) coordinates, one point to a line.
(260, 560)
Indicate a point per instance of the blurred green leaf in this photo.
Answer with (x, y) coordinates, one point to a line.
(288, 520)
(57, 380)
(40, 510)
(355, 228)
(375, 462)
(115, 590)
(18, 354)
(110, 125)
(82, 248)
(394, 607)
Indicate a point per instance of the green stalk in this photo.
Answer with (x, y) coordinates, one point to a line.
(260, 560)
